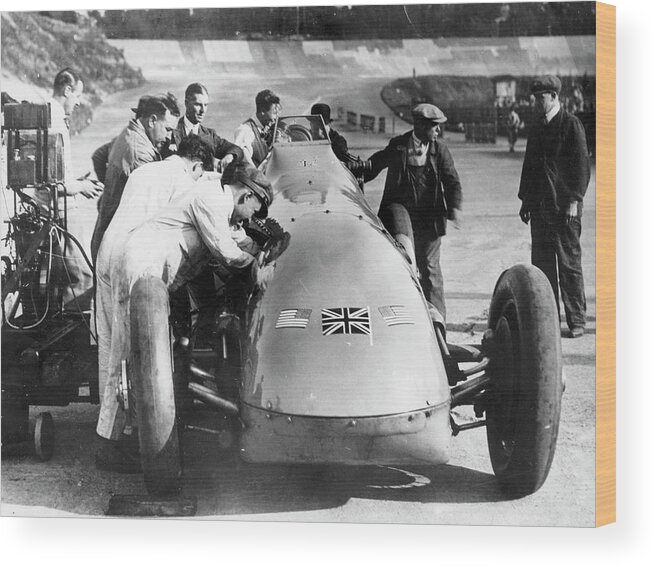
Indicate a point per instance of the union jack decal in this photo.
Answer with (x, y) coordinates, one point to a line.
(293, 318)
(346, 321)
(395, 315)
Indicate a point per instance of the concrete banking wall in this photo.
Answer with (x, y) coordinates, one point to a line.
(380, 59)
(468, 56)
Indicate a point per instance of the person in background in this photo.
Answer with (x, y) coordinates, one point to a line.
(554, 181)
(254, 136)
(513, 126)
(196, 101)
(337, 141)
(81, 196)
(421, 179)
(137, 144)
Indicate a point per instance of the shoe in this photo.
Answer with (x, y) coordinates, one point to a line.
(576, 332)
(118, 456)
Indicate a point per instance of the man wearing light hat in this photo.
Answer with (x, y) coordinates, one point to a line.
(422, 184)
(554, 181)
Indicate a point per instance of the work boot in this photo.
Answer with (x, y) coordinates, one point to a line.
(118, 456)
(576, 332)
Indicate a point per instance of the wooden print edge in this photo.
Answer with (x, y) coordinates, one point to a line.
(606, 264)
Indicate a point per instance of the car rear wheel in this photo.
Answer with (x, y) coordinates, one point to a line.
(152, 382)
(524, 399)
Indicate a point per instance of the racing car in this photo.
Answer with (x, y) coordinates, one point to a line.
(340, 359)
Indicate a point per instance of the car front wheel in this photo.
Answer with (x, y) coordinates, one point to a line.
(524, 399)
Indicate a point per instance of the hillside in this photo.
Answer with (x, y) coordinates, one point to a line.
(36, 47)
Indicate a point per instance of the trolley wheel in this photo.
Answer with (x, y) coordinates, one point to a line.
(44, 436)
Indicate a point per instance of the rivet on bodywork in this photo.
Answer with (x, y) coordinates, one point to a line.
(327, 211)
(289, 420)
(269, 405)
(268, 416)
(428, 414)
(293, 219)
(352, 423)
(410, 418)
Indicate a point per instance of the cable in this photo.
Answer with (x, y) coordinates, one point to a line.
(70, 280)
(77, 243)
(47, 308)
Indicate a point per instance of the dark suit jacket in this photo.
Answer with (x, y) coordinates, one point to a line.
(220, 146)
(339, 145)
(556, 167)
(447, 189)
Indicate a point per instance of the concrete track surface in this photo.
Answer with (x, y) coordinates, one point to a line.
(462, 492)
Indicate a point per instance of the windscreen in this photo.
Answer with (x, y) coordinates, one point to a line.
(300, 129)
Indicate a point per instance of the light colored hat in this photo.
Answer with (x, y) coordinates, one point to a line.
(429, 112)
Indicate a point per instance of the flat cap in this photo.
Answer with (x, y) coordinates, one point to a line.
(255, 180)
(429, 112)
(547, 84)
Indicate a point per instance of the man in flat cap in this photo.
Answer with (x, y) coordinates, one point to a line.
(422, 185)
(553, 184)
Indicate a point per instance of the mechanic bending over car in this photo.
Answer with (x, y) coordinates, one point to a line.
(148, 190)
(175, 245)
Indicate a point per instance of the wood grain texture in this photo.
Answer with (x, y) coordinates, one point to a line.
(606, 264)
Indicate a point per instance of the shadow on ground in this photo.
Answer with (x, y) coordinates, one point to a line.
(224, 485)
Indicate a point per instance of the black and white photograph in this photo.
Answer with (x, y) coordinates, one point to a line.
(301, 263)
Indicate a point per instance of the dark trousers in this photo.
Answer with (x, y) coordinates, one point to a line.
(428, 253)
(556, 248)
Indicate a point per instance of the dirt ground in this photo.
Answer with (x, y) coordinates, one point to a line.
(464, 491)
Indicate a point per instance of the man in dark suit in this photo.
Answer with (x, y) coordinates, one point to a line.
(422, 180)
(554, 181)
(196, 101)
(337, 141)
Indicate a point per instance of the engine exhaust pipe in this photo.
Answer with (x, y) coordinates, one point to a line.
(200, 373)
(211, 398)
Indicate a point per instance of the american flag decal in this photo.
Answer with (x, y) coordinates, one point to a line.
(293, 318)
(346, 321)
(395, 315)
